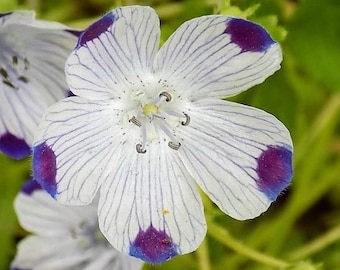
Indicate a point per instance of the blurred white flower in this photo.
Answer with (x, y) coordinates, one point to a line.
(32, 60)
(64, 237)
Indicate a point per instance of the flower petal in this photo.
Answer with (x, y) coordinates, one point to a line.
(32, 60)
(151, 209)
(67, 237)
(40, 214)
(74, 146)
(218, 56)
(113, 53)
(240, 156)
(112, 260)
(40, 253)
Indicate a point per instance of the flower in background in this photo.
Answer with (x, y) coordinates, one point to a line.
(146, 124)
(65, 237)
(32, 60)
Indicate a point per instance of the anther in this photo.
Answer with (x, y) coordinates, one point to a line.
(26, 63)
(166, 95)
(7, 79)
(135, 121)
(15, 61)
(187, 120)
(23, 79)
(174, 146)
(139, 149)
(4, 74)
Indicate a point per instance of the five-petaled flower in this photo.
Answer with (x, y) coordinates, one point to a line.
(146, 125)
(65, 237)
(32, 61)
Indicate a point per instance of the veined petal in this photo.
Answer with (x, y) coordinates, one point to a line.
(20, 16)
(114, 53)
(73, 148)
(41, 253)
(218, 56)
(40, 214)
(112, 260)
(32, 60)
(150, 207)
(240, 156)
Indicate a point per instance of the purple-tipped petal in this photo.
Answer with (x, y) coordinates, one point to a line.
(224, 150)
(153, 246)
(95, 29)
(13, 146)
(217, 57)
(30, 186)
(44, 168)
(249, 36)
(275, 171)
(113, 52)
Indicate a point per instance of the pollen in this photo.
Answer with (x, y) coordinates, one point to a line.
(165, 211)
(149, 109)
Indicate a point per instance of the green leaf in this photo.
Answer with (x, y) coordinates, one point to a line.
(314, 38)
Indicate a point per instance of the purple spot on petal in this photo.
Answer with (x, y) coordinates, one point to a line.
(95, 29)
(274, 168)
(250, 37)
(44, 168)
(30, 186)
(153, 246)
(14, 147)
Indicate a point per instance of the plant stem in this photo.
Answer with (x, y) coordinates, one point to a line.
(203, 255)
(225, 238)
(316, 245)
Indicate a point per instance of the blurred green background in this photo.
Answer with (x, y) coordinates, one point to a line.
(302, 229)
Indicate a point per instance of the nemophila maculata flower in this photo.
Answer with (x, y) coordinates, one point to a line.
(146, 126)
(64, 237)
(32, 60)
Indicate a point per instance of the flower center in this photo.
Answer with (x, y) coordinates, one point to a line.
(150, 109)
(161, 114)
(88, 235)
(11, 71)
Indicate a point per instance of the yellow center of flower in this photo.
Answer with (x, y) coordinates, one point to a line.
(149, 109)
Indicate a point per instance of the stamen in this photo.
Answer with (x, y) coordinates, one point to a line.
(27, 63)
(4, 74)
(187, 120)
(7, 79)
(135, 121)
(139, 148)
(23, 79)
(174, 146)
(15, 61)
(166, 95)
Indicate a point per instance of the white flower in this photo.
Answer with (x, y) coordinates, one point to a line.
(65, 237)
(32, 59)
(146, 125)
